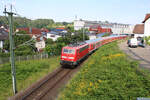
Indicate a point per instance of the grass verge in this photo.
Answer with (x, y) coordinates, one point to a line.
(108, 75)
(27, 72)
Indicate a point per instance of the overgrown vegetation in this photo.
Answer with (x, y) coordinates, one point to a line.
(108, 75)
(27, 72)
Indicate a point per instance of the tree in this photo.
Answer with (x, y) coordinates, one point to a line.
(20, 38)
(42, 23)
(49, 41)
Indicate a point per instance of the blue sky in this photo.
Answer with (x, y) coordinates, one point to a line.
(121, 11)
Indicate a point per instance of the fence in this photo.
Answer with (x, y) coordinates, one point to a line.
(24, 58)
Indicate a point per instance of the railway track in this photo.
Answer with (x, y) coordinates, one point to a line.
(48, 87)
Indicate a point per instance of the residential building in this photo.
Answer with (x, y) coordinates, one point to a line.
(38, 34)
(79, 24)
(147, 25)
(53, 35)
(3, 36)
(116, 28)
(139, 30)
(31, 31)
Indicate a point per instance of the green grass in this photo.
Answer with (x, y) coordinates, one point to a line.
(27, 72)
(108, 75)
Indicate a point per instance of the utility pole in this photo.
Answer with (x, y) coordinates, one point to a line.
(83, 33)
(11, 40)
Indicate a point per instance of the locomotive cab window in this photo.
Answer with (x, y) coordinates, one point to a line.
(69, 51)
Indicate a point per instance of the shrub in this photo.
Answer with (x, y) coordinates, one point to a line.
(147, 39)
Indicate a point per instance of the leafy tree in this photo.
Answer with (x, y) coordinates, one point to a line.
(54, 49)
(42, 23)
(49, 41)
(65, 23)
(19, 39)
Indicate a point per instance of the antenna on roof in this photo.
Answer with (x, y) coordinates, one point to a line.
(76, 17)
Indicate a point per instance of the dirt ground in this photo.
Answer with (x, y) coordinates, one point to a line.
(140, 54)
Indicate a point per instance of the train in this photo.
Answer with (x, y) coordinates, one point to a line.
(73, 54)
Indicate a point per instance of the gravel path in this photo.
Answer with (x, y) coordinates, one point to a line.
(140, 54)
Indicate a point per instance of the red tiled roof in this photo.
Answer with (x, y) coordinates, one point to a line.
(24, 29)
(44, 30)
(36, 31)
(139, 29)
(33, 31)
(146, 18)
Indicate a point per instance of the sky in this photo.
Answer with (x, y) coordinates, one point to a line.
(120, 11)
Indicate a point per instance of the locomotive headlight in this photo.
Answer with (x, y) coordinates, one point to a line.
(71, 57)
(64, 57)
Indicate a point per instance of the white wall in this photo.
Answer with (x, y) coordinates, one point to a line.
(147, 28)
(120, 29)
(52, 36)
(1, 44)
(78, 24)
(40, 45)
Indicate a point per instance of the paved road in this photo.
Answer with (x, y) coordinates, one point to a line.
(140, 54)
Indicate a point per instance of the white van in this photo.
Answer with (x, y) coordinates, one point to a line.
(133, 42)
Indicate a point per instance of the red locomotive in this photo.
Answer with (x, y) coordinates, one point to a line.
(74, 53)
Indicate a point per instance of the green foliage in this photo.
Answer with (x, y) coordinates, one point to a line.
(4, 54)
(20, 38)
(49, 41)
(3, 20)
(108, 75)
(21, 22)
(54, 49)
(27, 72)
(42, 23)
(147, 39)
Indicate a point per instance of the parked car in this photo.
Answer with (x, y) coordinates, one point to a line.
(140, 41)
(132, 42)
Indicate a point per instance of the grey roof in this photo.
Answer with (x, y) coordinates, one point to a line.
(3, 34)
(3, 31)
(3, 37)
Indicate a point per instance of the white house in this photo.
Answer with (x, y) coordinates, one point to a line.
(122, 29)
(147, 25)
(40, 45)
(79, 24)
(52, 36)
(3, 36)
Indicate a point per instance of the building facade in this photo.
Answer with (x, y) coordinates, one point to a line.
(79, 24)
(115, 27)
(147, 25)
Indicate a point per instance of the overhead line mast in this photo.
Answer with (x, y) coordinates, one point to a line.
(11, 40)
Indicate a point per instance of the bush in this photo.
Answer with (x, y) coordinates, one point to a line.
(147, 39)
(49, 41)
(4, 54)
(54, 49)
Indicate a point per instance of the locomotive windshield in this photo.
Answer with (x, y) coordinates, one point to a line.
(69, 51)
